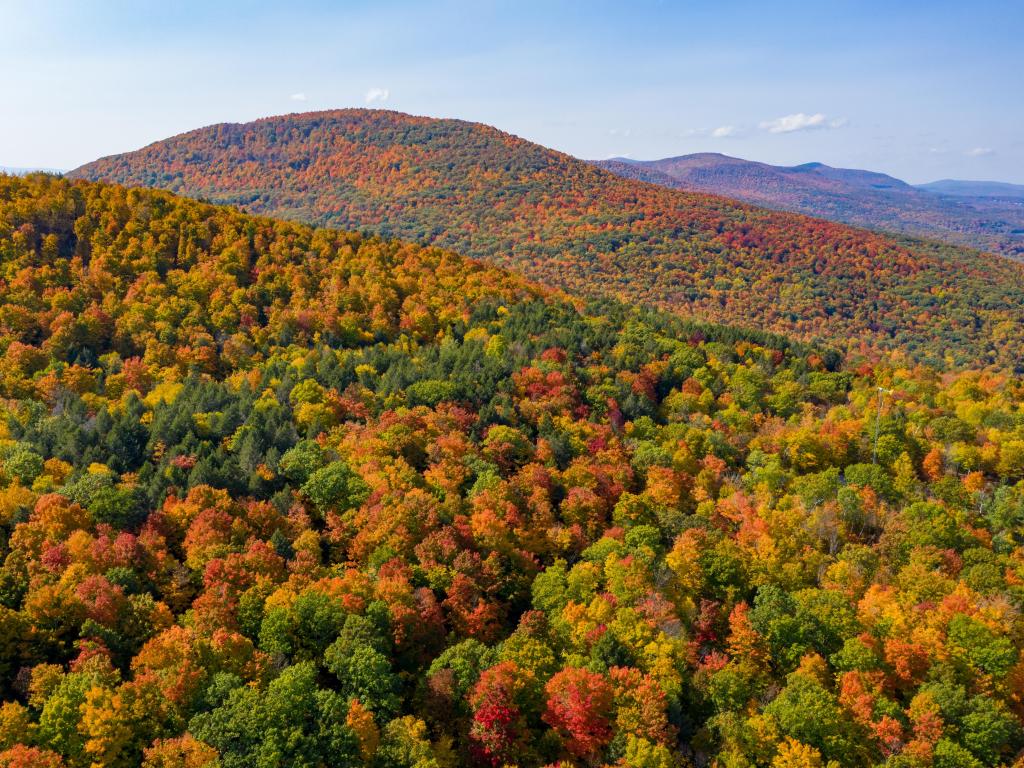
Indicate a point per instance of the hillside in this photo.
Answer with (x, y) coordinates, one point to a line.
(272, 495)
(960, 213)
(565, 223)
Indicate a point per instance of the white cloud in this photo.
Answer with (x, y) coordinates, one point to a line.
(377, 95)
(801, 122)
(979, 152)
(724, 131)
(298, 97)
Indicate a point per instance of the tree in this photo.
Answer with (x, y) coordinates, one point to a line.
(300, 461)
(404, 743)
(293, 723)
(579, 708)
(334, 486)
(365, 674)
(302, 630)
(60, 715)
(810, 714)
(793, 754)
(977, 644)
(497, 700)
(180, 752)
(21, 756)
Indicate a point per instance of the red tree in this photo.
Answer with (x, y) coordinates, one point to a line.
(579, 707)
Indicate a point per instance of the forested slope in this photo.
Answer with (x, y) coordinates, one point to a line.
(991, 223)
(277, 496)
(565, 223)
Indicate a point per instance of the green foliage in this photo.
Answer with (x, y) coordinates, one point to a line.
(23, 464)
(810, 713)
(334, 486)
(301, 460)
(292, 723)
(303, 630)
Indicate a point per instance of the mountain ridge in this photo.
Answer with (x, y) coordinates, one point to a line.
(977, 188)
(952, 212)
(563, 222)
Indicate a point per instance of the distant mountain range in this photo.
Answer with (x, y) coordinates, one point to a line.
(15, 171)
(979, 214)
(563, 222)
(975, 189)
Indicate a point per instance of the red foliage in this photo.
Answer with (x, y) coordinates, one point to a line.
(579, 707)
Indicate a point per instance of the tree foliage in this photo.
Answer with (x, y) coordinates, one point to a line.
(230, 537)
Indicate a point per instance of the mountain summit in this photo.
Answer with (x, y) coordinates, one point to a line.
(565, 222)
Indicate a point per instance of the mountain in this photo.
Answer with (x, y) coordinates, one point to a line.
(981, 215)
(566, 223)
(975, 189)
(709, 167)
(281, 496)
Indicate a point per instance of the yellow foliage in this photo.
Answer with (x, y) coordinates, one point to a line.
(15, 725)
(165, 392)
(182, 752)
(14, 499)
(42, 682)
(107, 732)
(814, 666)
(641, 753)
(57, 469)
(360, 720)
(793, 754)
(664, 659)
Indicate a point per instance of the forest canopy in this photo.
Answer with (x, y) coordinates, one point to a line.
(274, 495)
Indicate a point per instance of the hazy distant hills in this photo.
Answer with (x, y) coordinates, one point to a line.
(975, 189)
(985, 215)
(567, 223)
(15, 171)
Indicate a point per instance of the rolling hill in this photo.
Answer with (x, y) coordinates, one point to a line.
(981, 215)
(564, 222)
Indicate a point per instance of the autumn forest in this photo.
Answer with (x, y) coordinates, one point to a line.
(273, 495)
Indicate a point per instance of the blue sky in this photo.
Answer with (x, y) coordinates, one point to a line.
(922, 90)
